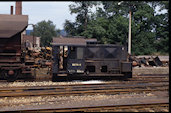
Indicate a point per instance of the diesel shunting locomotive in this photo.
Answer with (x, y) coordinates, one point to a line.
(79, 57)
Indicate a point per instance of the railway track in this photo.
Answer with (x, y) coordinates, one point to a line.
(77, 89)
(147, 77)
(137, 84)
(146, 107)
(135, 78)
(134, 85)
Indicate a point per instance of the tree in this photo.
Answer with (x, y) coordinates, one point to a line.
(96, 29)
(70, 28)
(162, 28)
(110, 25)
(46, 31)
(144, 36)
(82, 9)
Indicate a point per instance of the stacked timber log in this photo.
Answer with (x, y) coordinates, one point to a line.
(40, 56)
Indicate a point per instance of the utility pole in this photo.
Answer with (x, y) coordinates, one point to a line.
(129, 38)
(129, 34)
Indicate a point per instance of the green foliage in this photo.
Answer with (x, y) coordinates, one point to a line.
(82, 9)
(162, 29)
(96, 29)
(118, 30)
(110, 24)
(46, 31)
(71, 28)
(143, 38)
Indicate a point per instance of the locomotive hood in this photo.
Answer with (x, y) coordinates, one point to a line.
(10, 25)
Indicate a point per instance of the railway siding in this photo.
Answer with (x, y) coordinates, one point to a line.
(87, 103)
(126, 95)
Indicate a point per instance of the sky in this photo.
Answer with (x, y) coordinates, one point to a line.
(55, 11)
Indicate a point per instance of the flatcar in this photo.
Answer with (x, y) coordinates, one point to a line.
(12, 64)
(78, 57)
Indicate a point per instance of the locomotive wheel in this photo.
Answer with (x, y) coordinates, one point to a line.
(11, 76)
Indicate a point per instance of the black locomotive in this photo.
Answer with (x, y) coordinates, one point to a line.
(79, 57)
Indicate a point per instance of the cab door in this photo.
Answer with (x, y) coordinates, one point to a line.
(76, 61)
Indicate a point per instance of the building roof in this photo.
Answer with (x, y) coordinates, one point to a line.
(29, 38)
(10, 25)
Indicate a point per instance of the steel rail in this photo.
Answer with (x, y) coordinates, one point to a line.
(114, 89)
(98, 108)
(129, 81)
(144, 76)
(137, 78)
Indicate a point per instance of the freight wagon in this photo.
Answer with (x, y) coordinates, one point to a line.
(12, 62)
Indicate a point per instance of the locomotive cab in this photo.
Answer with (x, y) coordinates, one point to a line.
(68, 56)
(75, 64)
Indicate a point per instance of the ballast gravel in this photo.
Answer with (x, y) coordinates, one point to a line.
(11, 103)
(48, 83)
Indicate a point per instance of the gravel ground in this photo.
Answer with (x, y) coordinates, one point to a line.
(17, 84)
(48, 83)
(150, 70)
(11, 103)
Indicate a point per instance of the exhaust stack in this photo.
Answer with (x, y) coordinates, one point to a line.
(18, 8)
(11, 10)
